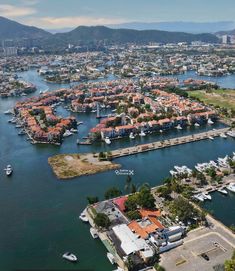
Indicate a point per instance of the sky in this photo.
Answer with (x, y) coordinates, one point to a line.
(55, 14)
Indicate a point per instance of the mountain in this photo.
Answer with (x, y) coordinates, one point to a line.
(231, 32)
(87, 34)
(12, 30)
(189, 27)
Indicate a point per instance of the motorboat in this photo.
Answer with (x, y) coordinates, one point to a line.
(8, 112)
(210, 121)
(8, 170)
(231, 133)
(21, 132)
(70, 257)
(83, 216)
(196, 124)
(223, 135)
(142, 133)
(179, 127)
(199, 197)
(223, 191)
(67, 133)
(107, 140)
(211, 137)
(206, 196)
(131, 136)
(80, 122)
(94, 233)
(73, 130)
(161, 131)
(111, 258)
(231, 187)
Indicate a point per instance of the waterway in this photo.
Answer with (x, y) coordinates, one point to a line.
(39, 213)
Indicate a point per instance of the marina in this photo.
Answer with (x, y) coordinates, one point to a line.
(33, 187)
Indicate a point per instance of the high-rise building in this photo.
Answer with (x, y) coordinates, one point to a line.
(226, 39)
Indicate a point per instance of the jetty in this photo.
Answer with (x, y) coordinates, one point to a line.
(168, 143)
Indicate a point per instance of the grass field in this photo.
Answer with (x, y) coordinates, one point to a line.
(222, 98)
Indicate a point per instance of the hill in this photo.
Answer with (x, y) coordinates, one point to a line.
(102, 33)
(13, 30)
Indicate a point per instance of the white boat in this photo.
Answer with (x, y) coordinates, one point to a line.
(211, 137)
(8, 112)
(94, 233)
(161, 131)
(8, 170)
(231, 133)
(222, 191)
(131, 136)
(83, 216)
(210, 121)
(67, 133)
(70, 257)
(73, 130)
(223, 135)
(111, 258)
(80, 122)
(179, 127)
(206, 196)
(107, 140)
(231, 187)
(199, 197)
(197, 124)
(142, 133)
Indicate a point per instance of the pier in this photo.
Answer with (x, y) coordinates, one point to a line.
(167, 143)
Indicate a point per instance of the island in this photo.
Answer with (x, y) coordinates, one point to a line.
(67, 166)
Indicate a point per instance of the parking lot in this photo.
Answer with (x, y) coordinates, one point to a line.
(202, 249)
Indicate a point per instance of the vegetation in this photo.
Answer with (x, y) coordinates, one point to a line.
(102, 220)
(92, 199)
(229, 265)
(112, 192)
(159, 267)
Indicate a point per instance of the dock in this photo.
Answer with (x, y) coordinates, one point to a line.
(167, 143)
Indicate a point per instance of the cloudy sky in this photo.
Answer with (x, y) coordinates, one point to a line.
(54, 14)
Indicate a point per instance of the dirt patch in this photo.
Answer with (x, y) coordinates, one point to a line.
(67, 166)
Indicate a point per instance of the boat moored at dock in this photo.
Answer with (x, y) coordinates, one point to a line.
(70, 257)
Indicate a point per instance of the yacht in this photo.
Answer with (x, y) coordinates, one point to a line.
(8, 112)
(21, 132)
(210, 121)
(179, 127)
(142, 133)
(131, 136)
(231, 133)
(199, 197)
(111, 258)
(94, 233)
(211, 137)
(73, 130)
(8, 170)
(223, 191)
(197, 124)
(107, 140)
(67, 133)
(83, 216)
(80, 122)
(231, 187)
(206, 196)
(70, 257)
(223, 135)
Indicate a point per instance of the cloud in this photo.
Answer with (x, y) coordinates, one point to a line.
(29, 2)
(61, 22)
(14, 11)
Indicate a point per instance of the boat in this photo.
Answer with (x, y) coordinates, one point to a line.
(83, 216)
(142, 133)
(223, 135)
(131, 136)
(94, 233)
(179, 127)
(231, 187)
(107, 140)
(222, 191)
(67, 133)
(70, 257)
(21, 132)
(111, 258)
(231, 133)
(211, 137)
(161, 131)
(199, 197)
(80, 122)
(210, 121)
(73, 130)
(206, 196)
(196, 124)
(8, 112)
(8, 170)
(18, 126)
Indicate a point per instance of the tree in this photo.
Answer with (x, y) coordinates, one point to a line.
(92, 199)
(131, 203)
(159, 267)
(102, 220)
(145, 198)
(112, 192)
(133, 215)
